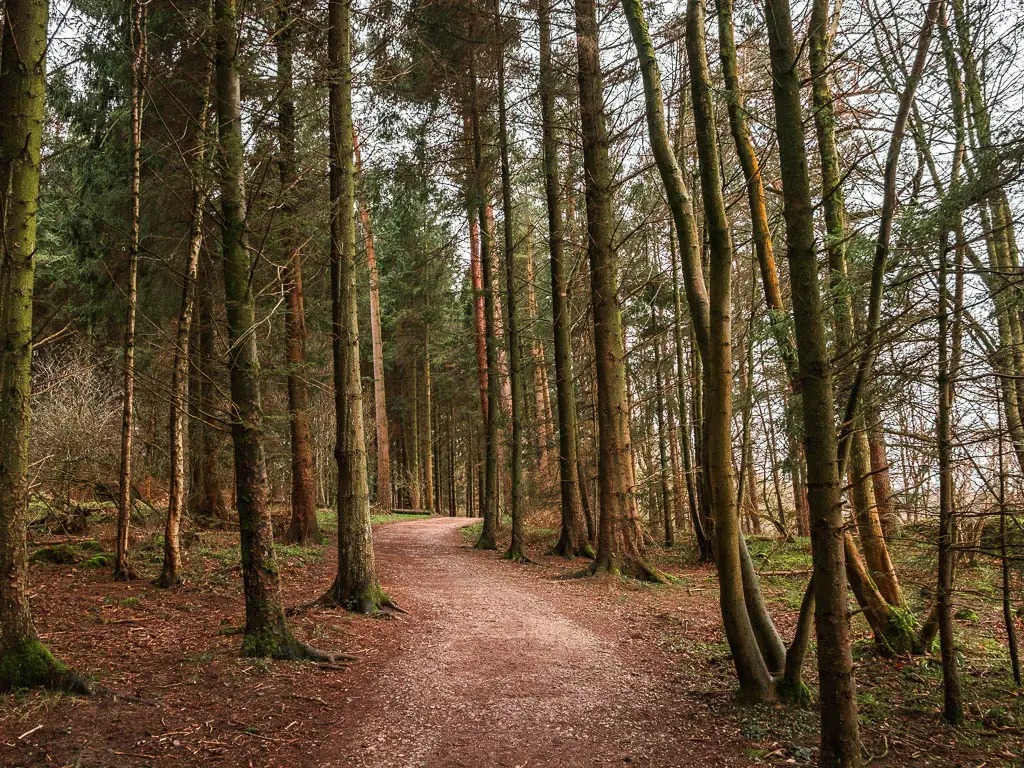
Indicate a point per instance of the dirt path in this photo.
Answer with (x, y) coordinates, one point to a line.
(502, 665)
(495, 665)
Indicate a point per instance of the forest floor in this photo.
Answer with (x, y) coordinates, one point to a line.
(494, 664)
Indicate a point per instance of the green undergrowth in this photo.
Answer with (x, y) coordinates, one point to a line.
(399, 517)
(88, 553)
(472, 532)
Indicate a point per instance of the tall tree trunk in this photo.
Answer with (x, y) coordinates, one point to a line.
(380, 410)
(704, 546)
(266, 632)
(542, 398)
(303, 528)
(427, 433)
(573, 539)
(208, 502)
(355, 587)
(876, 554)
(488, 534)
(663, 462)
(840, 735)
(412, 441)
(24, 661)
(122, 567)
(744, 634)
(170, 574)
(619, 544)
(515, 549)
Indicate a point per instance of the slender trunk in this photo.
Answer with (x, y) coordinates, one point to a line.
(427, 433)
(170, 574)
(619, 544)
(840, 737)
(488, 534)
(755, 190)
(663, 462)
(24, 661)
(748, 651)
(515, 549)
(355, 587)
(380, 410)
(703, 540)
(122, 567)
(542, 401)
(869, 526)
(303, 528)
(412, 441)
(953, 707)
(1009, 621)
(209, 503)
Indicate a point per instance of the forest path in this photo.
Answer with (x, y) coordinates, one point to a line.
(499, 664)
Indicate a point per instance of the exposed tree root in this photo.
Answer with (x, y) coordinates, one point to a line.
(167, 581)
(564, 548)
(517, 556)
(795, 694)
(283, 646)
(125, 574)
(632, 569)
(371, 602)
(31, 665)
(487, 543)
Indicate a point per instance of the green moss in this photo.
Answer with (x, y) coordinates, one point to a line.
(61, 554)
(795, 694)
(101, 560)
(30, 664)
(967, 614)
(299, 555)
(901, 636)
(396, 517)
(263, 643)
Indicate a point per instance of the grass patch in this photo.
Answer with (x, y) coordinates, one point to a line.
(472, 532)
(392, 517)
(298, 556)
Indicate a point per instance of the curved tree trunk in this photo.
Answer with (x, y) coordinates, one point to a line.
(751, 666)
(840, 735)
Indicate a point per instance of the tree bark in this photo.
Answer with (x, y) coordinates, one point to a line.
(619, 545)
(862, 496)
(208, 502)
(266, 632)
(488, 535)
(303, 528)
(24, 661)
(380, 410)
(840, 736)
(122, 567)
(953, 707)
(515, 550)
(355, 587)
(573, 539)
(170, 574)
